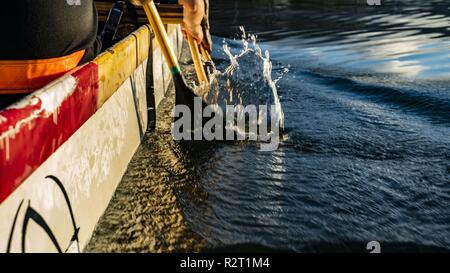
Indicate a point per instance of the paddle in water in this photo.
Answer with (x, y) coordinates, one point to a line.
(184, 94)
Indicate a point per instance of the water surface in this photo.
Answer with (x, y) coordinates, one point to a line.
(366, 151)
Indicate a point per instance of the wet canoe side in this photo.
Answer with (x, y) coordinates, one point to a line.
(65, 148)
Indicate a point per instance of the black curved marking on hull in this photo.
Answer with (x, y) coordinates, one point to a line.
(32, 214)
(8, 248)
(76, 229)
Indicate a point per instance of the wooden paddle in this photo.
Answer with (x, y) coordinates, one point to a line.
(184, 94)
(199, 69)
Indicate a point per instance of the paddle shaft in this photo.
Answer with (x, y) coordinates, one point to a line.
(206, 54)
(162, 37)
(199, 69)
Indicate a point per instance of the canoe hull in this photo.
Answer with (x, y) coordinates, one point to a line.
(56, 207)
(88, 166)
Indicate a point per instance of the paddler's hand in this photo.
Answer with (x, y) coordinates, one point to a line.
(195, 20)
(207, 41)
(194, 12)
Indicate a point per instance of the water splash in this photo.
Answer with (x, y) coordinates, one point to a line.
(246, 78)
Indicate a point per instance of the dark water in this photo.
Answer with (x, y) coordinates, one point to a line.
(366, 152)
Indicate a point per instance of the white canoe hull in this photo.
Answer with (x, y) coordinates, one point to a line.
(57, 206)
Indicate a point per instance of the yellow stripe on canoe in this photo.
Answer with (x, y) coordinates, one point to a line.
(117, 63)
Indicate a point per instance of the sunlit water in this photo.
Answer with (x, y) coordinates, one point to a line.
(366, 151)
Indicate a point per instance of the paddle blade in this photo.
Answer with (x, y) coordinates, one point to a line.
(184, 95)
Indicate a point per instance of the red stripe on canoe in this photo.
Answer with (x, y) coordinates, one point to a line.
(36, 135)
